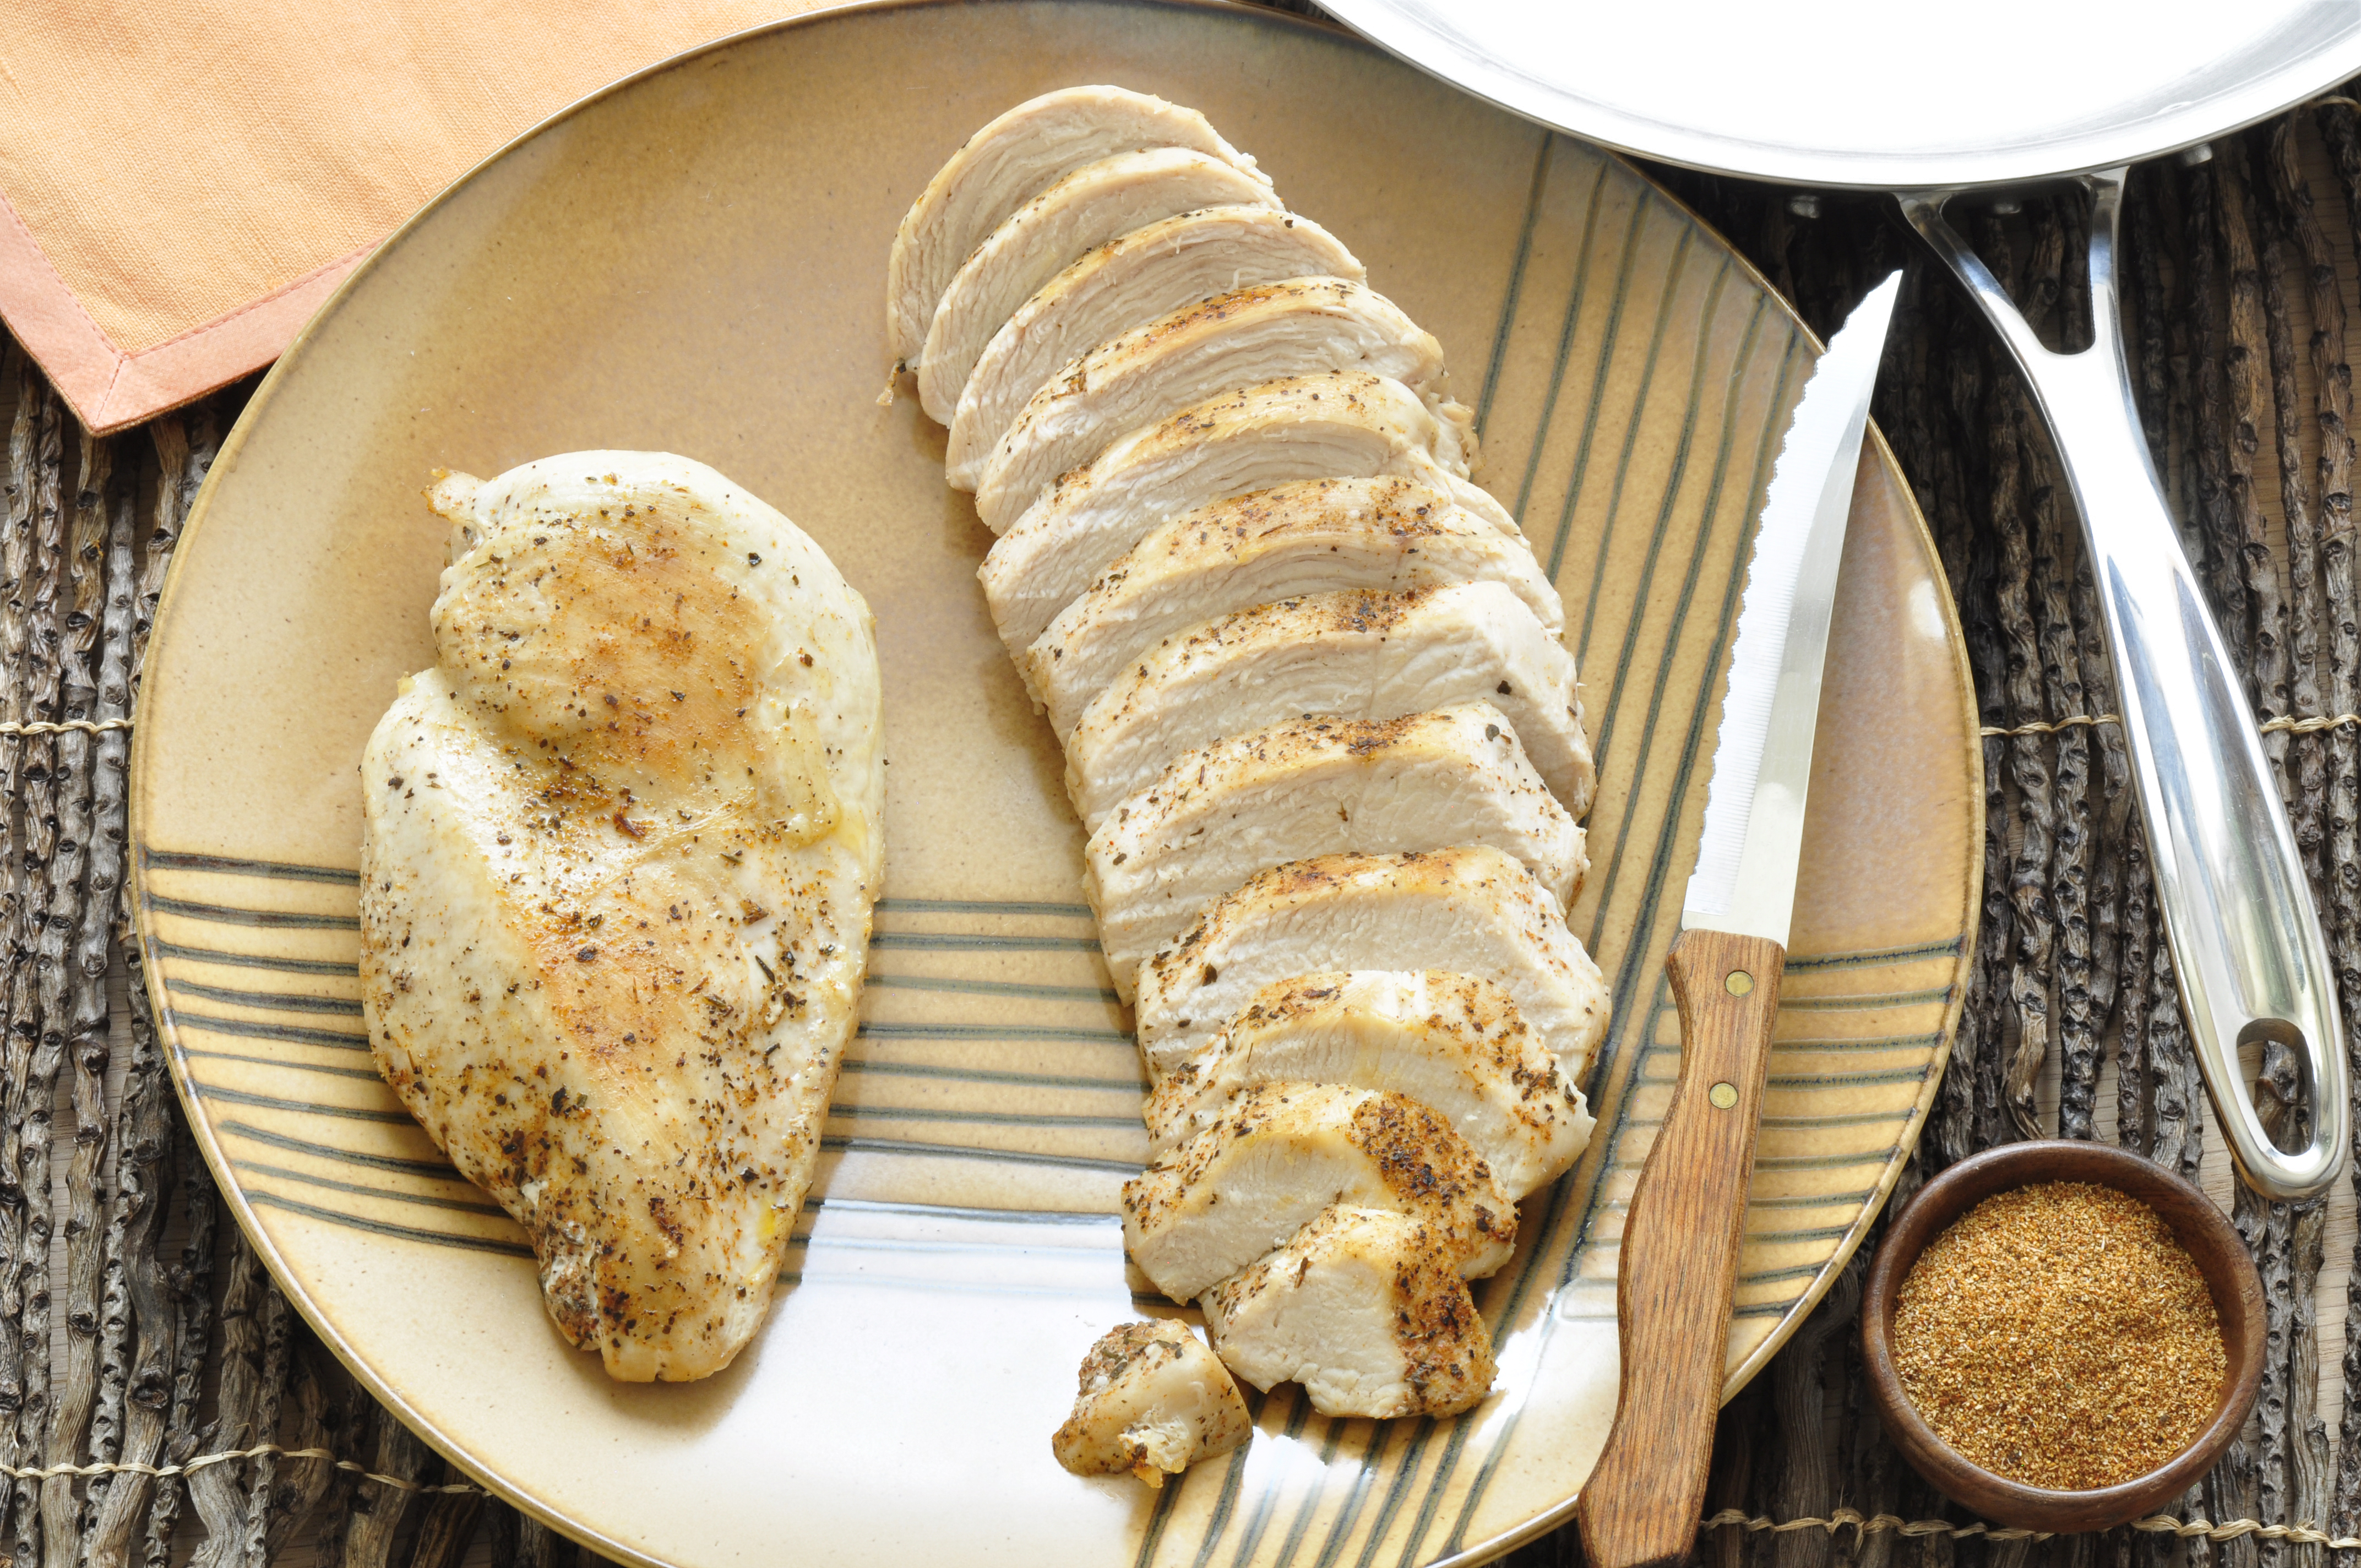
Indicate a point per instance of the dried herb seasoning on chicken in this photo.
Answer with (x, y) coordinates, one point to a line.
(1320, 722)
(1152, 1402)
(620, 849)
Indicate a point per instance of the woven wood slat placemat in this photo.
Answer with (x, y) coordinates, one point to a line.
(142, 1336)
(2239, 282)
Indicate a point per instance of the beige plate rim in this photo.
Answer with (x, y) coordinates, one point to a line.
(199, 511)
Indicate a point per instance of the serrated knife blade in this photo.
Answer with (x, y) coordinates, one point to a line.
(1745, 875)
(1685, 1224)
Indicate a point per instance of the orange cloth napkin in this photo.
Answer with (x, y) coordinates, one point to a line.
(183, 182)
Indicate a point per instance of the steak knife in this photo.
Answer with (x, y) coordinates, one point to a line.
(1678, 1264)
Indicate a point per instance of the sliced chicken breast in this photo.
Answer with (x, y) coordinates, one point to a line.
(1150, 272)
(1454, 1043)
(1153, 1401)
(1309, 537)
(1363, 1308)
(1472, 910)
(1281, 1154)
(1342, 426)
(1354, 655)
(1008, 162)
(1050, 233)
(1264, 332)
(1318, 786)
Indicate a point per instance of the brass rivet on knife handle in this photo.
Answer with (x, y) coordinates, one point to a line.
(1678, 1261)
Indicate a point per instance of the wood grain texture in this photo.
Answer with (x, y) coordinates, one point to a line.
(1679, 1260)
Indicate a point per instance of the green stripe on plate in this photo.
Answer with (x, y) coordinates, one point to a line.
(279, 1001)
(271, 919)
(253, 961)
(865, 1144)
(967, 941)
(255, 1029)
(425, 1199)
(229, 865)
(980, 906)
(982, 1118)
(262, 1197)
(988, 1075)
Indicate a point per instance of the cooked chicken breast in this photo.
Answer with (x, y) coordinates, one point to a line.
(1364, 1308)
(1344, 425)
(1003, 166)
(1264, 332)
(1150, 272)
(1153, 1401)
(1281, 1154)
(1050, 233)
(1317, 786)
(1471, 910)
(1311, 536)
(1454, 1043)
(617, 855)
(1354, 655)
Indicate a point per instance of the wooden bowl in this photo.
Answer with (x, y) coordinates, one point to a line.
(2202, 1228)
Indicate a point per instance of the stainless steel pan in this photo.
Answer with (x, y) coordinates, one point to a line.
(1930, 102)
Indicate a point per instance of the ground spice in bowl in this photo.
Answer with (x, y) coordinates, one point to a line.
(2060, 1335)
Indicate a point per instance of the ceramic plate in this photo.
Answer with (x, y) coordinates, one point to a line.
(694, 261)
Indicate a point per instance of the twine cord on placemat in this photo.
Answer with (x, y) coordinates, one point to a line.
(2077, 721)
(2156, 1524)
(230, 1456)
(70, 726)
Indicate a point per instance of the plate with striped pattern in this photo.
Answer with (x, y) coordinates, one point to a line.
(693, 262)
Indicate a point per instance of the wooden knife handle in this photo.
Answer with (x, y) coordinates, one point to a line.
(1679, 1257)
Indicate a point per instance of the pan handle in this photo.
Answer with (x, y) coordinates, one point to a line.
(2237, 908)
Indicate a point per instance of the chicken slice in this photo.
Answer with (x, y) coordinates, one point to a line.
(1342, 426)
(1318, 786)
(1471, 909)
(1454, 1043)
(1264, 332)
(1153, 1401)
(1150, 272)
(1354, 655)
(1050, 233)
(1008, 162)
(619, 849)
(1283, 1152)
(1364, 1308)
(1311, 536)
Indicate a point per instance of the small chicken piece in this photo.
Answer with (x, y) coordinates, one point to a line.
(1264, 332)
(1452, 1042)
(1364, 1308)
(1318, 786)
(1471, 909)
(1354, 654)
(1006, 164)
(1150, 272)
(1281, 1153)
(618, 849)
(1153, 1401)
(1344, 425)
(1050, 233)
(1312, 536)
